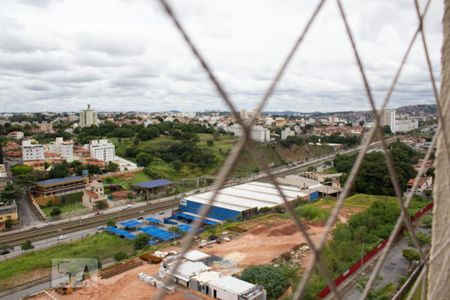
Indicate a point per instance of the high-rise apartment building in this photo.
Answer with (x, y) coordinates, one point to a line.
(388, 119)
(102, 150)
(32, 151)
(258, 132)
(63, 148)
(88, 117)
(287, 132)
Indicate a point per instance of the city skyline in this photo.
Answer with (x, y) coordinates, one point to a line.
(126, 56)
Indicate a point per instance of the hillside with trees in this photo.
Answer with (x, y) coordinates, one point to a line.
(373, 177)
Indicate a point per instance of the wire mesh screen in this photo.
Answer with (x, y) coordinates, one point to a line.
(246, 142)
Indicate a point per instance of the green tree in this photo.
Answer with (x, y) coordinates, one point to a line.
(148, 133)
(112, 167)
(120, 256)
(21, 170)
(10, 193)
(59, 170)
(101, 205)
(27, 245)
(23, 174)
(143, 159)
(141, 241)
(427, 221)
(56, 211)
(9, 223)
(175, 230)
(274, 279)
(373, 177)
(411, 254)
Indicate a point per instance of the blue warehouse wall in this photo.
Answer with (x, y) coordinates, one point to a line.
(218, 213)
(314, 196)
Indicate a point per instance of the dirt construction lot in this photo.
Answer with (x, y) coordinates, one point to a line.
(261, 245)
(263, 242)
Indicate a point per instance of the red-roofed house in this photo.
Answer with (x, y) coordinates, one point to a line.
(425, 183)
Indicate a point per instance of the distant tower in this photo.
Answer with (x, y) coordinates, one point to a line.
(388, 119)
(88, 117)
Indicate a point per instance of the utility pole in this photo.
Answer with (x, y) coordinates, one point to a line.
(439, 266)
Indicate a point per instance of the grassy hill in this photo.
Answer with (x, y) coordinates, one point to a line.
(221, 147)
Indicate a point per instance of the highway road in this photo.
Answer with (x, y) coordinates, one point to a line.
(49, 230)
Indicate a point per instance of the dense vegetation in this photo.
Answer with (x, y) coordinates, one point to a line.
(140, 132)
(373, 177)
(76, 168)
(350, 241)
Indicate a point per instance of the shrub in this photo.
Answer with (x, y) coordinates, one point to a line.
(427, 221)
(120, 256)
(422, 237)
(27, 245)
(312, 213)
(101, 205)
(411, 254)
(176, 230)
(56, 211)
(141, 241)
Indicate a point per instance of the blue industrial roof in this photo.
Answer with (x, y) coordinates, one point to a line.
(58, 180)
(153, 183)
(120, 232)
(159, 233)
(130, 223)
(184, 227)
(193, 218)
(153, 220)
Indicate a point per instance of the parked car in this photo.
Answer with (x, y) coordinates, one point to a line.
(62, 237)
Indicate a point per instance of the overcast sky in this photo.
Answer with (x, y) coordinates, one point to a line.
(121, 55)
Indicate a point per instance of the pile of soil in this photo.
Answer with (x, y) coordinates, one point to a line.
(289, 229)
(259, 230)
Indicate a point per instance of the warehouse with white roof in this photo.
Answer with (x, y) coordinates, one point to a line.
(243, 201)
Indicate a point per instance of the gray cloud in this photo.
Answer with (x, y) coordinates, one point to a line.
(126, 54)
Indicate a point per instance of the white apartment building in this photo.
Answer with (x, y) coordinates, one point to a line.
(88, 117)
(63, 148)
(388, 119)
(236, 129)
(102, 150)
(32, 151)
(258, 133)
(398, 123)
(287, 132)
(405, 125)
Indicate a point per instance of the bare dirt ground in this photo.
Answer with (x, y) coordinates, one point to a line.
(261, 245)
